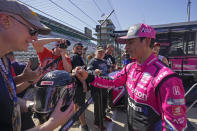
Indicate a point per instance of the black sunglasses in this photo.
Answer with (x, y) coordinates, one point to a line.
(79, 48)
(32, 32)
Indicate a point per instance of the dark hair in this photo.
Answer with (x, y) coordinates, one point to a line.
(10, 53)
(151, 43)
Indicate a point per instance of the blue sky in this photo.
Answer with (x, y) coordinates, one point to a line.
(127, 12)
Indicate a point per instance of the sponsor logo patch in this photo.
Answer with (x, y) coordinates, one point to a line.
(141, 86)
(146, 30)
(139, 94)
(146, 76)
(179, 120)
(177, 110)
(139, 108)
(136, 108)
(46, 83)
(176, 90)
(161, 76)
(171, 101)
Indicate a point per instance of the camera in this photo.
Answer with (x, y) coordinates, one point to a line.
(64, 45)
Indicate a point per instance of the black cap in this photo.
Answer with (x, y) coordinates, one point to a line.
(77, 44)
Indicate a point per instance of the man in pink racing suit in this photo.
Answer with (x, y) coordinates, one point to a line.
(156, 95)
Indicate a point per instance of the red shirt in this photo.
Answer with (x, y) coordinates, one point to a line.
(47, 57)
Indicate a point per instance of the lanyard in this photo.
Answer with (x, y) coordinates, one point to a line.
(8, 79)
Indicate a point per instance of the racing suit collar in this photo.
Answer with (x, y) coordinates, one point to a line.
(146, 63)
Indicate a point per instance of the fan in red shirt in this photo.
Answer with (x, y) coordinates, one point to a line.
(47, 56)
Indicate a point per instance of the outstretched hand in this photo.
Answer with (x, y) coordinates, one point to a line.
(80, 73)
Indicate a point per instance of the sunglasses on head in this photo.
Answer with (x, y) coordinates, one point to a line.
(32, 32)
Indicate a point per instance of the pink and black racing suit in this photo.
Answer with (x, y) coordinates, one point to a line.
(155, 95)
